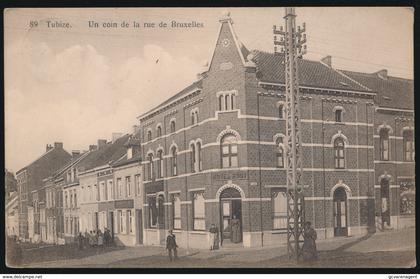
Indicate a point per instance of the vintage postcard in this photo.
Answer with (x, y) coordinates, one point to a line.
(209, 137)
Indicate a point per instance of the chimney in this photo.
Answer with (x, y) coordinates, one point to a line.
(116, 136)
(75, 153)
(101, 143)
(92, 147)
(48, 147)
(58, 145)
(383, 74)
(327, 60)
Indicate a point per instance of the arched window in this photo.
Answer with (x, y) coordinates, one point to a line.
(159, 131)
(229, 151)
(227, 102)
(280, 153)
(281, 111)
(232, 101)
(174, 161)
(151, 171)
(221, 103)
(193, 167)
(196, 117)
(149, 135)
(384, 145)
(338, 115)
(339, 153)
(173, 126)
(199, 155)
(192, 118)
(408, 145)
(160, 164)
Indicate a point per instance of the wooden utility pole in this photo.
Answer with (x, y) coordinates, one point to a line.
(293, 47)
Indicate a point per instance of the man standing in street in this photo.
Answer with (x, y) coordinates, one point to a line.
(171, 246)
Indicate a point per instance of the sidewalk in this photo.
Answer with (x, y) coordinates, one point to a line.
(396, 240)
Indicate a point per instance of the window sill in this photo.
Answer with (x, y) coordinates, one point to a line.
(198, 232)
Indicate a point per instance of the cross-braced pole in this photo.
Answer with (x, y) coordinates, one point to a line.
(293, 46)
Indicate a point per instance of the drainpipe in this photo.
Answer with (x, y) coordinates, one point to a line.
(186, 180)
(323, 165)
(259, 167)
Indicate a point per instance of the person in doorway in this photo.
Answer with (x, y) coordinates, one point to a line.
(309, 252)
(107, 237)
(100, 238)
(213, 237)
(235, 229)
(80, 241)
(171, 246)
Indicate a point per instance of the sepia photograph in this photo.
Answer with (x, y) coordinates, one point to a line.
(257, 137)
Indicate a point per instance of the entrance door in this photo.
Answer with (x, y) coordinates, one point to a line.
(230, 209)
(139, 226)
(385, 211)
(111, 219)
(340, 212)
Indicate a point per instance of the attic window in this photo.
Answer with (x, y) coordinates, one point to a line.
(343, 83)
(386, 98)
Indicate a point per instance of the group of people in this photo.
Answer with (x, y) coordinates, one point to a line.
(309, 251)
(94, 239)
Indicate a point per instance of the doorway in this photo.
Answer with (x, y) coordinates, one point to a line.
(230, 216)
(340, 212)
(139, 222)
(111, 222)
(385, 210)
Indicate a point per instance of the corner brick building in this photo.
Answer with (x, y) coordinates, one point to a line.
(214, 151)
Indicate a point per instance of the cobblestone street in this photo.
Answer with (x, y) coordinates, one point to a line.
(383, 249)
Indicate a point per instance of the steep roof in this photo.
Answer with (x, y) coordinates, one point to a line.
(311, 73)
(104, 155)
(392, 92)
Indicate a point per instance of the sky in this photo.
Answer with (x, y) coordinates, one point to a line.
(80, 84)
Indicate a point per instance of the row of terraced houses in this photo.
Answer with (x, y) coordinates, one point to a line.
(215, 151)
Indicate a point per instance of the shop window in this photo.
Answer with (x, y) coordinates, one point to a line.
(199, 212)
(229, 151)
(408, 146)
(339, 153)
(407, 198)
(279, 207)
(176, 212)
